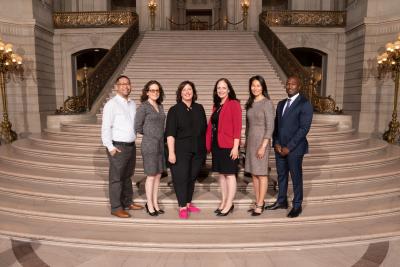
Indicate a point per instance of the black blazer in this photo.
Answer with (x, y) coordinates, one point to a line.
(291, 129)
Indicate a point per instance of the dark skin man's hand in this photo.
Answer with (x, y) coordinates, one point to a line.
(278, 148)
(284, 151)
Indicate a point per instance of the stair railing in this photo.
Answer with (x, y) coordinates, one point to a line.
(292, 67)
(95, 81)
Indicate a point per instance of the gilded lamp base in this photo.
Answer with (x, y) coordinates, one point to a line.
(6, 134)
(393, 134)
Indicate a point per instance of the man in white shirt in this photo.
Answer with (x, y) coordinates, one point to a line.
(118, 135)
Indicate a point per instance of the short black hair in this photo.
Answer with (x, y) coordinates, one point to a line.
(122, 76)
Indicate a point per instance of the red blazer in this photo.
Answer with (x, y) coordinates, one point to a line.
(229, 125)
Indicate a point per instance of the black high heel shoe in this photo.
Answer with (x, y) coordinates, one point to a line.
(226, 213)
(154, 213)
(254, 213)
(160, 211)
(217, 210)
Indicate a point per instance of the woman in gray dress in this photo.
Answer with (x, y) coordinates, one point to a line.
(149, 121)
(259, 127)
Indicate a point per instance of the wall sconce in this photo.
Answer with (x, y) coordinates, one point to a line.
(152, 8)
(245, 4)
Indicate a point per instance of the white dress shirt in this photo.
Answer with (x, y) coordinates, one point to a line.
(118, 121)
(292, 99)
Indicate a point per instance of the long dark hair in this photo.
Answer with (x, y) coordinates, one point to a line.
(261, 80)
(180, 88)
(231, 93)
(146, 89)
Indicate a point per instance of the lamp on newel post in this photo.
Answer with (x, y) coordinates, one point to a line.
(389, 62)
(245, 4)
(152, 7)
(9, 62)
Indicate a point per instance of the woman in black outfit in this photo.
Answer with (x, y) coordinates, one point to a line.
(185, 131)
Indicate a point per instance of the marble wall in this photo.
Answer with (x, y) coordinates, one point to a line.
(30, 30)
(371, 25)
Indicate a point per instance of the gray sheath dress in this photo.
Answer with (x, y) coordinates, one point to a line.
(259, 126)
(150, 124)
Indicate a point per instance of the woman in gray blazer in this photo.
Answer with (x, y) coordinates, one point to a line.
(149, 121)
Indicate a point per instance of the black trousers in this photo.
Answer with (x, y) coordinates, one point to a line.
(184, 174)
(122, 167)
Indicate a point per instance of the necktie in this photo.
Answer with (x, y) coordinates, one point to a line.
(287, 105)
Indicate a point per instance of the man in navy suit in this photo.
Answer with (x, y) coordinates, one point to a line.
(292, 123)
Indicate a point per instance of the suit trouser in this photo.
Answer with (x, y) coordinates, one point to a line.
(122, 167)
(184, 174)
(290, 164)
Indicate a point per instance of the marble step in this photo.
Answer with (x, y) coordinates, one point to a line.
(26, 147)
(100, 212)
(96, 127)
(183, 236)
(316, 178)
(206, 192)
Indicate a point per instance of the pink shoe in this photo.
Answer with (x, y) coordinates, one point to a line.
(193, 208)
(183, 214)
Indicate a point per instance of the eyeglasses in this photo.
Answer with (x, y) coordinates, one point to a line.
(154, 91)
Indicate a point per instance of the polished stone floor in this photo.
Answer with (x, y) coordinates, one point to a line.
(16, 253)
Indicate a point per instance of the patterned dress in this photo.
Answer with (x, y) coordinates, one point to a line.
(259, 126)
(150, 124)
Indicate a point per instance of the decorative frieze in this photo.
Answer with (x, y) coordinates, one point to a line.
(93, 19)
(304, 18)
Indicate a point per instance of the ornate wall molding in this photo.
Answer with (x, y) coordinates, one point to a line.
(93, 19)
(304, 18)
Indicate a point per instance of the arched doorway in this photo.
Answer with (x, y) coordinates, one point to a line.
(310, 56)
(87, 57)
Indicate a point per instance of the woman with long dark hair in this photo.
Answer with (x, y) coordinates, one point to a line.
(259, 127)
(223, 138)
(149, 121)
(185, 131)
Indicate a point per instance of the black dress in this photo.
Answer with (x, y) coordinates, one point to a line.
(221, 159)
(188, 126)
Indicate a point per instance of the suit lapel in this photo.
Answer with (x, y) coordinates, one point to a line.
(292, 106)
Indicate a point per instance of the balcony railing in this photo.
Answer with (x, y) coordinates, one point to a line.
(304, 18)
(93, 19)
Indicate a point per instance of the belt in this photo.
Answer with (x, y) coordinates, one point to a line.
(116, 143)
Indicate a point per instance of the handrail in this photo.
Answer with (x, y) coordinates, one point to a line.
(103, 71)
(292, 67)
(109, 63)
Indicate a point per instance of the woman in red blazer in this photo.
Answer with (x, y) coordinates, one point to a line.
(222, 139)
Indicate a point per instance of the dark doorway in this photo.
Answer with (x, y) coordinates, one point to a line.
(128, 5)
(308, 57)
(199, 19)
(89, 58)
(275, 5)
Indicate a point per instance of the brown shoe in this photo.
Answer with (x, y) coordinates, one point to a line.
(134, 207)
(121, 214)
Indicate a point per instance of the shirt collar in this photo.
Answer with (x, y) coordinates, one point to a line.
(120, 98)
(293, 98)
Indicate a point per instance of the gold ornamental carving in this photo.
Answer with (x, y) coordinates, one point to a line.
(93, 19)
(305, 18)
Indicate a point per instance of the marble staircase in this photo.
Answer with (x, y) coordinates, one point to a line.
(54, 185)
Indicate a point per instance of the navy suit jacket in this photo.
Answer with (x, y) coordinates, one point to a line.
(291, 129)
